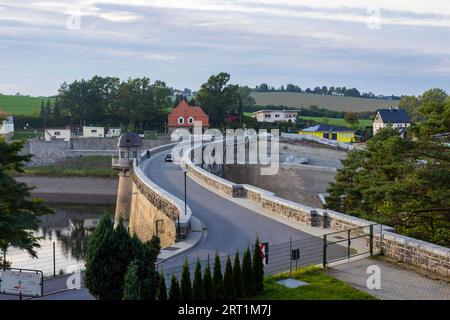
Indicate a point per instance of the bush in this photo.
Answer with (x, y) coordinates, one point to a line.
(228, 281)
(218, 289)
(198, 287)
(132, 284)
(186, 286)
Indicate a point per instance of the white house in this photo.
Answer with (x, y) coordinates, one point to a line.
(114, 132)
(93, 132)
(57, 134)
(275, 115)
(392, 117)
(7, 125)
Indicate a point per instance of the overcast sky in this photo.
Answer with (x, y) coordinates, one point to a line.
(384, 46)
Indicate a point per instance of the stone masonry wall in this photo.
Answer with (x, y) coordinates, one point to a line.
(411, 251)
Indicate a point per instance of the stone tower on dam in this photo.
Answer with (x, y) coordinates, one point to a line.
(129, 145)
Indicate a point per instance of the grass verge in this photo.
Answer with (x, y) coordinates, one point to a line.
(321, 287)
(86, 166)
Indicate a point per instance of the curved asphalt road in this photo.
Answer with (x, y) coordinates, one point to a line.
(229, 226)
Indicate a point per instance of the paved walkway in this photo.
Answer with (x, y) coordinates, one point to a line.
(397, 283)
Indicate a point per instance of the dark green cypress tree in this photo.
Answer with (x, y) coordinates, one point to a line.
(132, 289)
(258, 267)
(174, 291)
(237, 273)
(247, 273)
(198, 288)
(186, 285)
(162, 292)
(228, 281)
(207, 283)
(218, 280)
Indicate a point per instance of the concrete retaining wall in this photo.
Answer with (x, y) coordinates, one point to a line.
(411, 251)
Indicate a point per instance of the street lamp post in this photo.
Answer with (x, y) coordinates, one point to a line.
(185, 205)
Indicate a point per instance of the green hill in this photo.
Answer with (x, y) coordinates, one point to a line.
(24, 105)
(336, 103)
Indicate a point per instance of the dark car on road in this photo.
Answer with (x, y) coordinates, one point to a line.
(168, 157)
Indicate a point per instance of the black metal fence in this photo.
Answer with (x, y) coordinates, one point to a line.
(289, 256)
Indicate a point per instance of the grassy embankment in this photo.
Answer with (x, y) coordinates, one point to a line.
(86, 166)
(321, 287)
(22, 105)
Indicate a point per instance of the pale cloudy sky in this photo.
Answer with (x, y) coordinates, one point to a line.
(385, 46)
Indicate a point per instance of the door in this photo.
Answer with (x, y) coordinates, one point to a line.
(334, 136)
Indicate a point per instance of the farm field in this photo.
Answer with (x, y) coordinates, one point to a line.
(21, 105)
(336, 103)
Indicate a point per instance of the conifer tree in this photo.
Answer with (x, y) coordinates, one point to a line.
(218, 280)
(186, 285)
(162, 292)
(258, 267)
(207, 283)
(174, 291)
(237, 273)
(132, 284)
(198, 288)
(248, 275)
(228, 281)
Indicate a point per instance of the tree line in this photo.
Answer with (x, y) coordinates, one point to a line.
(324, 90)
(402, 182)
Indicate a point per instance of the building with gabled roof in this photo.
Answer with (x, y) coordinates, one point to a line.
(391, 118)
(184, 116)
(7, 124)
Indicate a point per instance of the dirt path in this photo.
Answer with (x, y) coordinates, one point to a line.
(73, 189)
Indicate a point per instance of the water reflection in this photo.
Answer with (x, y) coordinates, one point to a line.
(70, 228)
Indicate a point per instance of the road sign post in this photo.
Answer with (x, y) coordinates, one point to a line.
(21, 282)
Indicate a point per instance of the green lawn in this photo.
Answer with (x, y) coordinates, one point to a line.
(86, 166)
(321, 287)
(339, 122)
(23, 135)
(22, 105)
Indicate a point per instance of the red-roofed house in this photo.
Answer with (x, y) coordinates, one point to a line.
(184, 116)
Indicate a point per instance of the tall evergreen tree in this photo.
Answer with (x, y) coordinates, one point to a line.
(258, 267)
(208, 283)
(248, 275)
(198, 288)
(218, 280)
(132, 289)
(162, 292)
(237, 273)
(186, 285)
(174, 290)
(228, 281)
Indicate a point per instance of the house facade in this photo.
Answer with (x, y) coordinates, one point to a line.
(325, 131)
(113, 132)
(93, 132)
(272, 116)
(57, 134)
(391, 118)
(7, 124)
(184, 116)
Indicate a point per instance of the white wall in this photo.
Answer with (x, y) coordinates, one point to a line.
(7, 125)
(60, 134)
(98, 132)
(281, 116)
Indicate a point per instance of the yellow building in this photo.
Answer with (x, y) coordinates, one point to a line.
(325, 131)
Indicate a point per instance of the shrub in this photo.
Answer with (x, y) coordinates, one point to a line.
(198, 287)
(237, 273)
(258, 268)
(228, 281)
(217, 280)
(186, 286)
(174, 291)
(248, 275)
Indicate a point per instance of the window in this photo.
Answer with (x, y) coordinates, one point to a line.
(180, 120)
(267, 115)
(277, 116)
(57, 133)
(93, 131)
(191, 120)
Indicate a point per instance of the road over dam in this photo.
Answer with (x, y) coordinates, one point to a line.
(230, 227)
